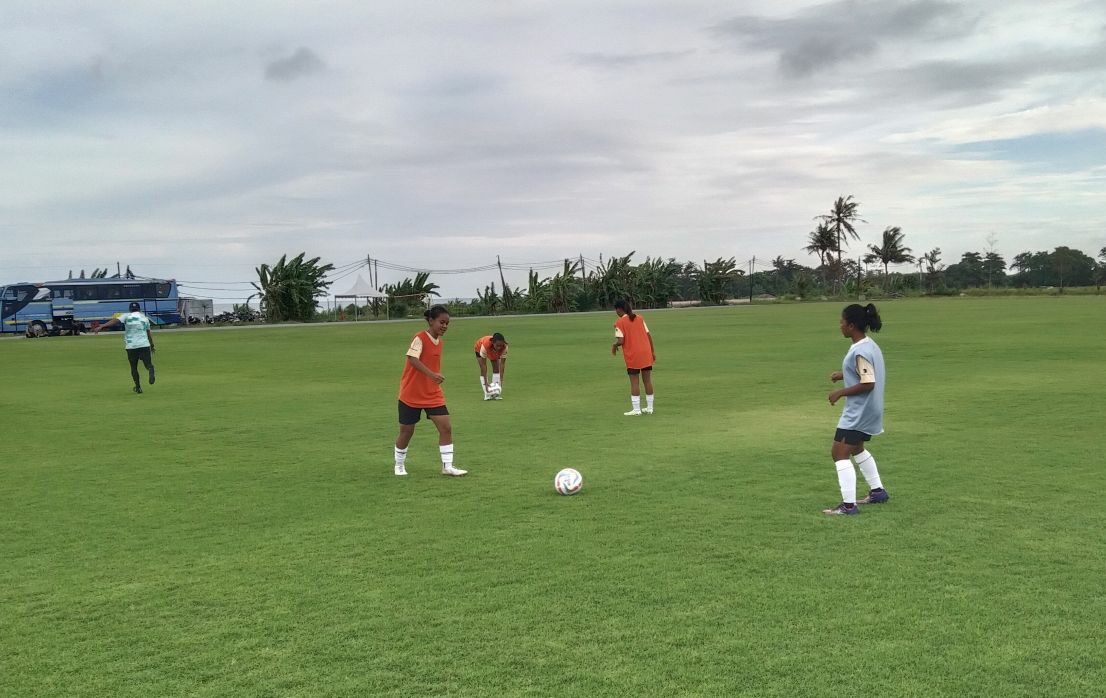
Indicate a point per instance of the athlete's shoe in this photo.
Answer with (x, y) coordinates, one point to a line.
(489, 396)
(138, 389)
(151, 375)
(647, 410)
(632, 413)
(843, 509)
(497, 396)
(875, 497)
(453, 472)
(401, 470)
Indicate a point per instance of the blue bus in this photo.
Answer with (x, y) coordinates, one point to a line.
(76, 305)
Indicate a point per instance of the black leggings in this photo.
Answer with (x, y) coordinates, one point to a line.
(143, 355)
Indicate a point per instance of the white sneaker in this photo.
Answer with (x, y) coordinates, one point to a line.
(633, 413)
(401, 470)
(497, 396)
(647, 410)
(489, 396)
(453, 472)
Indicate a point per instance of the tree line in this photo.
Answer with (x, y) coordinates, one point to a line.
(290, 289)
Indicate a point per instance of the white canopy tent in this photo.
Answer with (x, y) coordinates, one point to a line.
(360, 290)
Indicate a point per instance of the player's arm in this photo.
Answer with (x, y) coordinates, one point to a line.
(502, 368)
(618, 340)
(150, 337)
(421, 368)
(652, 350)
(866, 384)
(107, 325)
(858, 389)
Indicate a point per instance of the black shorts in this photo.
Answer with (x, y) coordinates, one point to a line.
(141, 354)
(411, 415)
(636, 371)
(851, 437)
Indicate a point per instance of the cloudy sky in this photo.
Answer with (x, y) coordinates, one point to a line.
(196, 140)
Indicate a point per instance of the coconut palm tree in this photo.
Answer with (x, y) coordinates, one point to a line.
(841, 220)
(890, 251)
(823, 241)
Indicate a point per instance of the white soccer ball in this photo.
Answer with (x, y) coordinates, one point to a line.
(495, 389)
(568, 481)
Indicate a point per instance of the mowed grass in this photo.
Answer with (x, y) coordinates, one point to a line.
(238, 531)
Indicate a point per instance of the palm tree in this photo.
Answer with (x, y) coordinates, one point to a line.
(891, 251)
(822, 242)
(840, 220)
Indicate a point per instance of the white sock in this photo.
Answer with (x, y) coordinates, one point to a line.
(846, 478)
(635, 401)
(649, 401)
(401, 455)
(484, 384)
(447, 455)
(867, 464)
(495, 378)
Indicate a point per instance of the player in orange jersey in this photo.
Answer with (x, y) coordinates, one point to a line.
(491, 348)
(420, 389)
(632, 334)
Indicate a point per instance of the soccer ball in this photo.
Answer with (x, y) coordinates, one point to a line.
(495, 389)
(568, 481)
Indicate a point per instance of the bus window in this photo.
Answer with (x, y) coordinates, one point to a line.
(163, 290)
(111, 292)
(132, 290)
(85, 293)
(149, 290)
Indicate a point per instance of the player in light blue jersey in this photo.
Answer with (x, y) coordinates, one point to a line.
(137, 339)
(862, 418)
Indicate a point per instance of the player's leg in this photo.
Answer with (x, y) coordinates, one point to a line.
(445, 440)
(482, 365)
(635, 392)
(647, 379)
(408, 418)
(148, 361)
(132, 358)
(867, 464)
(844, 443)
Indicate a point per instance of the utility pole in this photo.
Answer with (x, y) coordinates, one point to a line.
(583, 273)
(500, 265)
(859, 274)
(752, 270)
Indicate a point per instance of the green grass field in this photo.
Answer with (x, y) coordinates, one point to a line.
(238, 531)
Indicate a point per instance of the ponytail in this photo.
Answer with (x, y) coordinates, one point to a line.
(874, 321)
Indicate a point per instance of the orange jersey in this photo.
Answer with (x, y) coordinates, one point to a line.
(484, 349)
(636, 349)
(415, 387)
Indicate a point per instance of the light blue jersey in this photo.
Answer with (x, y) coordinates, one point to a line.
(135, 326)
(864, 364)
